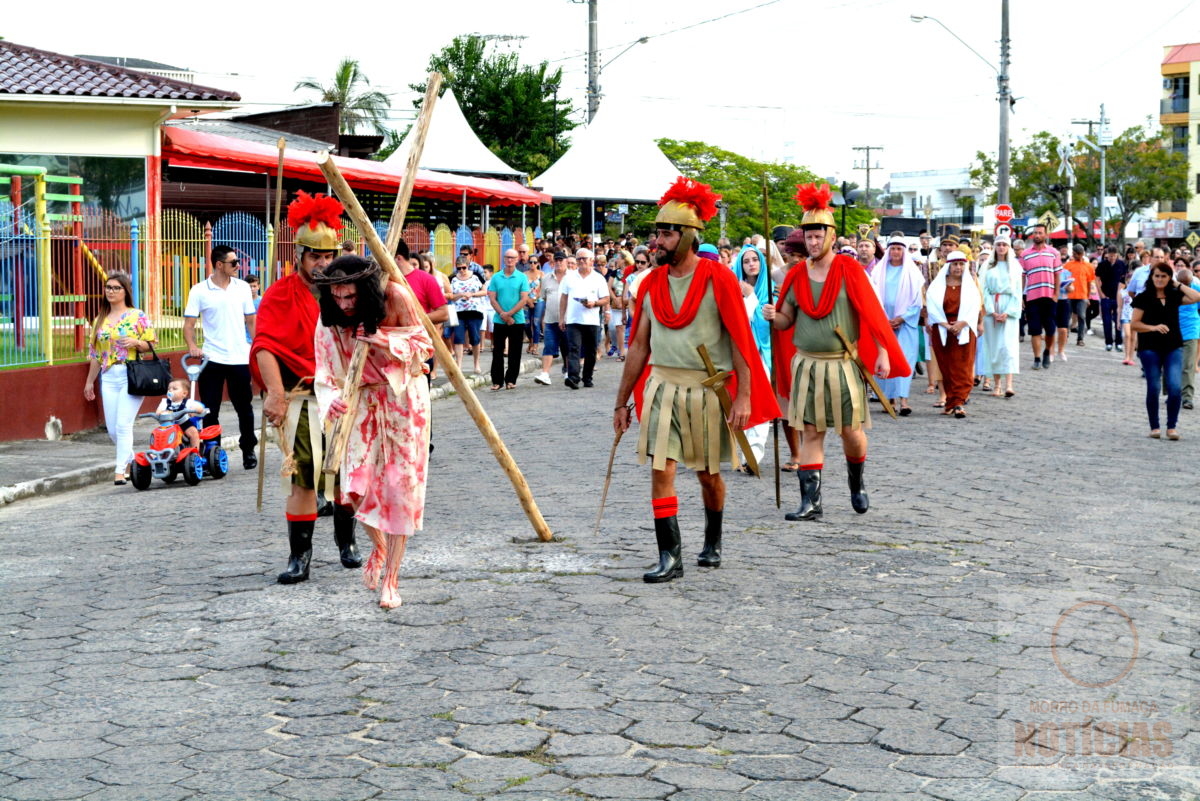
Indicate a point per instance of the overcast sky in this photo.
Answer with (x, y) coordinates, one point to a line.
(790, 80)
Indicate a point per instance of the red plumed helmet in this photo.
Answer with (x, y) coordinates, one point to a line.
(309, 210)
(814, 198)
(687, 202)
(316, 220)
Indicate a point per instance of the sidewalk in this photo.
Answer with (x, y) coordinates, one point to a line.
(30, 468)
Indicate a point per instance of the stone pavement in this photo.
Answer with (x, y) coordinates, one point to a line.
(1014, 619)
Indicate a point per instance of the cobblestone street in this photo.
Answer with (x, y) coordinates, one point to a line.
(1014, 619)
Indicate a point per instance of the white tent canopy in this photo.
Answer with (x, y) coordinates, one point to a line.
(451, 145)
(609, 161)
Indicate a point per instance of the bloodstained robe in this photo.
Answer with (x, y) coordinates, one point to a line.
(383, 474)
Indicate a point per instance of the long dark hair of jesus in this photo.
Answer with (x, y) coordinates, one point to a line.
(371, 306)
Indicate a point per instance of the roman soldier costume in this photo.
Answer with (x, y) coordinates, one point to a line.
(287, 322)
(676, 399)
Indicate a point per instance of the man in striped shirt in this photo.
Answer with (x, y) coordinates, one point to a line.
(1040, 265)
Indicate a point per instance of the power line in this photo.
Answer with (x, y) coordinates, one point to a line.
(582, 53)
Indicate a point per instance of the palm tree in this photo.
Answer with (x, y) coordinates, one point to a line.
(358, 107)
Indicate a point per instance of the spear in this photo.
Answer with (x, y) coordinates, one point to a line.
(262, 432)
(771, 298)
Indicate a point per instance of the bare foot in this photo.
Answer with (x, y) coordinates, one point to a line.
(389, 595)
(372, 569)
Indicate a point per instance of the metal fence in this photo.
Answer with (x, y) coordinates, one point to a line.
(52, 271)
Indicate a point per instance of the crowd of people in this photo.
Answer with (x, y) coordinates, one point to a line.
(569, 298)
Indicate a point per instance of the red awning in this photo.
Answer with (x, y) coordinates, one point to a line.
(187, 148)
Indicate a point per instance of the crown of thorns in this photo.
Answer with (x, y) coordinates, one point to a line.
(345, 270)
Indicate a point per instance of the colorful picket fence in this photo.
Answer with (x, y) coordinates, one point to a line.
(73, 254)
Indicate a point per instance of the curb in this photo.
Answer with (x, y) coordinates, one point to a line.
(101, 473)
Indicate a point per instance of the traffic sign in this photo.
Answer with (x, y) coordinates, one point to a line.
(1003, 229)
(1050, 221)
(1192, 239)
(1004, 213)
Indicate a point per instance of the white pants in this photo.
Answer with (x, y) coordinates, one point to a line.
(120, 410)
(757, 439)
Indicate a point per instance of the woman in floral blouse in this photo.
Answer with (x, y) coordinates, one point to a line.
(119, 334)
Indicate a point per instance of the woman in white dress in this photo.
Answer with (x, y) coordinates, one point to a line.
(1000, 284)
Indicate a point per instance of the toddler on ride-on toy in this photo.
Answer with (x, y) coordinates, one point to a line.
(177, 400)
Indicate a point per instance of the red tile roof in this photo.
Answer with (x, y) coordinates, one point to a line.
(29, 71)
(1181, 54)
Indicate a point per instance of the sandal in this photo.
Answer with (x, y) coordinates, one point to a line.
(959, 412)
(510, 386)
(929, 390)
(905, 411)
(939, 404)
(1008, 393)
(495, 387)
(743, 469)
(789, 467)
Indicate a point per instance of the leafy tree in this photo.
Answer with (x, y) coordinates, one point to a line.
(1141, 171)
(391, 143)
(512, 107)
(359, 105)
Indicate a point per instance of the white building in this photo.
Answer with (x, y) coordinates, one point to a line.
(946, 196)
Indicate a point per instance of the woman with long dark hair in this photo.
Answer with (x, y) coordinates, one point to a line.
(1159, 343)
(119, 333)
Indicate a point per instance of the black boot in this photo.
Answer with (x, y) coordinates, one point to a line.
(300, 533)
(711, 555)
(858, 489)
(343, 536)
(810, 497)
(670, 561)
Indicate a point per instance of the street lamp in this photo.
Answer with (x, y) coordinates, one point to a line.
(1004, 93)
(594, 92)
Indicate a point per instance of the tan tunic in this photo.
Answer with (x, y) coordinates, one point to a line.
(682, 420)
(827, 389)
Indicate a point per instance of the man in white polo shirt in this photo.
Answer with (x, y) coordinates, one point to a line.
(225, 306)
(582, 296)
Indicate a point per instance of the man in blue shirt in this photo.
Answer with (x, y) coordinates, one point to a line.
(1189, 329)
(508, 292)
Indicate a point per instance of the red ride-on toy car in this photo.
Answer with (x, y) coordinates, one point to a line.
(168, 456)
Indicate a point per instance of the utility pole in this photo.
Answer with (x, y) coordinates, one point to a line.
(1100, 142)
(1005, 101)
(866, 165)
(593, 88)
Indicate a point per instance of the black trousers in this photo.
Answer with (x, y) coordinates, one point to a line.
(236, 377)
(510, 338)
(585, 339)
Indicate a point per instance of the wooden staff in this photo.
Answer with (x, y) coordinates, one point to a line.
(465, 392)
(262, 431)
(612, 455)
(433, 86)
(771, 335)
(340, 438)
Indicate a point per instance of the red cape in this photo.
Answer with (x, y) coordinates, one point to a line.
(728, 294)
(873, 325)
(287, 321)
(782, 347)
